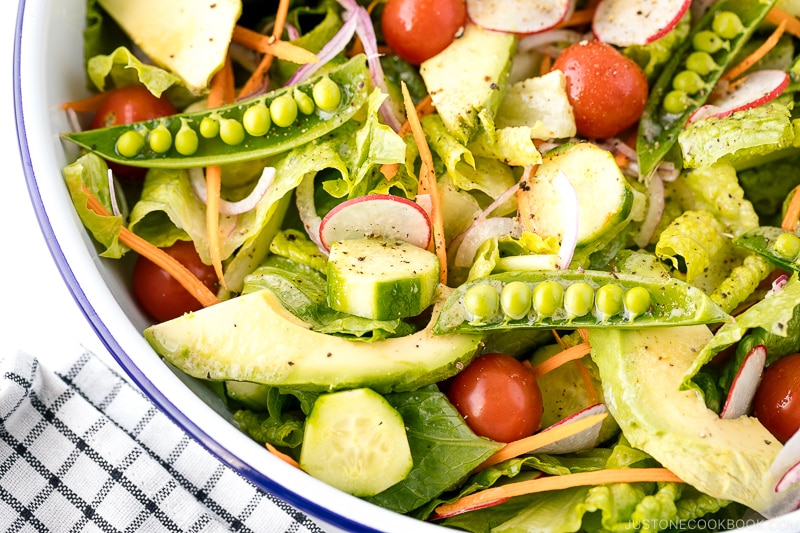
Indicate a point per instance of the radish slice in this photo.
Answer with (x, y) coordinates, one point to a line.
(743, 389)
(570, 237)
(234, 208)
(786, 465)
(756, 89)
(519, 16)
(629, 22)
(380, 215)
(584, 440)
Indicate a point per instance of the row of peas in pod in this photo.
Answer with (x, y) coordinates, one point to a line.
(779, 246)
(700, 63)
(242, 131)
(547, 299)
(256, 121)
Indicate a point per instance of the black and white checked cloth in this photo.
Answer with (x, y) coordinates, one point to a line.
(81, 449)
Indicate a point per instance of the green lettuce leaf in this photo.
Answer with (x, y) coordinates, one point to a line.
(695, 238)
(125, 69)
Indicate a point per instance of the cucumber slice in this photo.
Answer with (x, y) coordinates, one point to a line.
(381, 279)
(253, 396)
(356, 441)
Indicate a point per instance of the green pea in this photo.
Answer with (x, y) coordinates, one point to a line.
(787, 245)
(516, 299)
(708, 41)
(209, 127)
(130, 143)
(481, 302)
(283, 110)
(608, 301)
(304, 102)
(702, 63)
(547, 297)
(578, 299)
(676, 102)
(256, 119)
(186, 141)
(688, 81)
(327, 94)
(637, 302)
(160, 139)
(231, 131)
(727, 25)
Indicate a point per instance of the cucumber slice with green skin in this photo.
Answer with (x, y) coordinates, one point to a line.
(605, 199)
(356, 441)
(381, 279)
(253, 396)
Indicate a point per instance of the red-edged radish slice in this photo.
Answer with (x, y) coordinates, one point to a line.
(376, 215)
(743, 388)
(580, 441)
(756, 89)
(629, 22)
(519, 16)
(786, 465)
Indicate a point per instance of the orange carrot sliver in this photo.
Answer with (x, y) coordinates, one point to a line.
(424, 108)
(578, 17)
(592, 397)
(256, 79)
(739, 69)
(776, 16)
(87, 105)
(543, 438)
(270, 45)
(175, 269)
(570, 354)
(544, 484)
(282, 456)
(428, 184)
(792, 215)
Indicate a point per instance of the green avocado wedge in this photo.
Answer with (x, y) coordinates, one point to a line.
(731, 459)
(254, 338)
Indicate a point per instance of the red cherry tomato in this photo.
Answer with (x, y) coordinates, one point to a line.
(417, 30)
(159, 294)
(125, 105)
(777, 400)
(498, 398)
(607, 90)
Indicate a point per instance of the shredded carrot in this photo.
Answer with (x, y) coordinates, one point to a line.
(428, 184)
(792, 215)
(621, 160)
(158, 256)
(592, 397)
(270, 45)
(87, 105)
(282, 456)
(543, 438)
(739, 69)
(424, 108)
(579, 17)
(256, 79)
(546, 65)
(559, 340)
(548, 483)
(584, 334)
(776, 16)
(570, 354)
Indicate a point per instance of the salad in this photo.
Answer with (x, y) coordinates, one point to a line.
(519, 268)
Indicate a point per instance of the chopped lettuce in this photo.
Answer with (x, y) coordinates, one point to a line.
(693, 238)
(124, 68)
(539, 104)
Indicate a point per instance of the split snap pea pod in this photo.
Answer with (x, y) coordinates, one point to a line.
(777, 245)
(690, 76)
(574, 299)
(248, 130)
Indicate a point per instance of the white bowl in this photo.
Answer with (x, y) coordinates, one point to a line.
(47, 72)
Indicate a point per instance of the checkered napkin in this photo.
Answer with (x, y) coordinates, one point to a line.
(83, 450)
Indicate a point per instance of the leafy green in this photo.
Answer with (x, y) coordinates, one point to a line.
(768, 184)
(695, 237)
(126, 69)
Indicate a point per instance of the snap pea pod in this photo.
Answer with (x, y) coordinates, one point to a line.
(777, 245)
(691, 75)
(574, 299)
(244, 131)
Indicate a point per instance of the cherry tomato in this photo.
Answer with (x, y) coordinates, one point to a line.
(417, 30)
(777, 400)
(125, 105)
(159, 294)
(498, 398)
(607, 90)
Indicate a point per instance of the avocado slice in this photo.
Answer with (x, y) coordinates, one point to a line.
(467, 79)
(642, 372)
(186, 37)
(254, 338)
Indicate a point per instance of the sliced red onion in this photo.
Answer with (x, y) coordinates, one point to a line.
(331, 49)
(112, 191)
(778, 285)
(307, 210)
(668, 171)
(743, 389)
(655, 211)
(477, 234)
(535, 40)
(578, 442)
(570, 237)
(234, 208)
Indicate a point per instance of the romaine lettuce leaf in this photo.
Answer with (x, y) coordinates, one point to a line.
(695, 237)
(124, 68)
